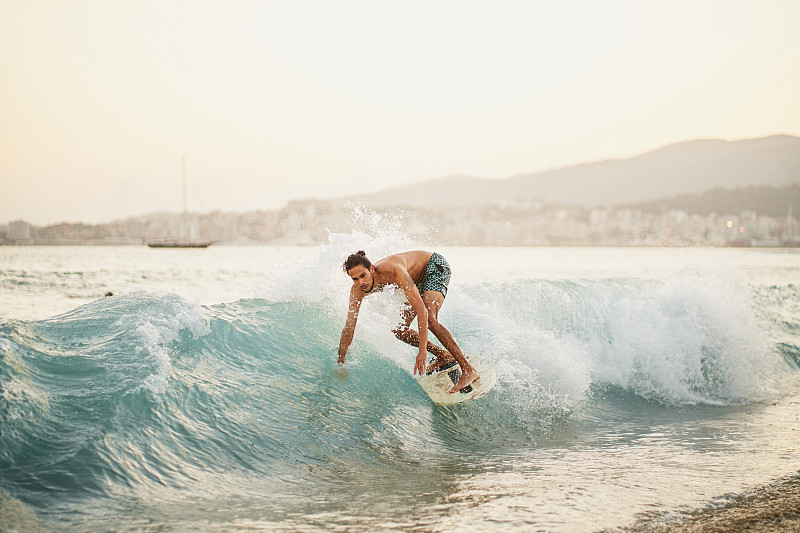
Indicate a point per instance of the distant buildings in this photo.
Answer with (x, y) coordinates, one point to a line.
(511, 224)
(19, 231)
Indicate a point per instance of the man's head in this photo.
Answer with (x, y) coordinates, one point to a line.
(360, 270)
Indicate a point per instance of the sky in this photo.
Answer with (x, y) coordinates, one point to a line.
(273, 101)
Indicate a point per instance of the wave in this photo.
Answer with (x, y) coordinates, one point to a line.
(153, 391)
(682, 340)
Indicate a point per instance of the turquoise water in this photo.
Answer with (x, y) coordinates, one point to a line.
(204, 394)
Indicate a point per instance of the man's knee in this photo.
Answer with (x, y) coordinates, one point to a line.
(434, 326)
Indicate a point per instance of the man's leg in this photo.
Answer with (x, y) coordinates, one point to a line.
(433, 301)
(411, 336)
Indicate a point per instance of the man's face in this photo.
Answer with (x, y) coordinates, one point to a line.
(362, 277)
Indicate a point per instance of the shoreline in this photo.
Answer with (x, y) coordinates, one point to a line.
(772, 507)
(311, 243)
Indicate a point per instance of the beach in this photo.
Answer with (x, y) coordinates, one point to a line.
(769, 508)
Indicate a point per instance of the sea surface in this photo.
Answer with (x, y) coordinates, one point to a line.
(205, 395)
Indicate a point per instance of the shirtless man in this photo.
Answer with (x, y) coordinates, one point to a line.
(424, 277)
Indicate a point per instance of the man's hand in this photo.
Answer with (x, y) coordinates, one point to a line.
(419, 366)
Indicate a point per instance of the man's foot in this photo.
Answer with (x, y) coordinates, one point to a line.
(466, 379)
(440, 363)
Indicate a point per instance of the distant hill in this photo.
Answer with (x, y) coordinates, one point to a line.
(761, 199)
(685, 168)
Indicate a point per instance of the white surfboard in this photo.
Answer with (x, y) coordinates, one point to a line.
(438, 383)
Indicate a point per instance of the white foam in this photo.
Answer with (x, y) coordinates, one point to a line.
(688, 338)
(685, 339)
(537, 370)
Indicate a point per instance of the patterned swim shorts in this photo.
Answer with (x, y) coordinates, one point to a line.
(436, 276)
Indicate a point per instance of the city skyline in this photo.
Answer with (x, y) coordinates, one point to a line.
(312, 222)
(272, 102)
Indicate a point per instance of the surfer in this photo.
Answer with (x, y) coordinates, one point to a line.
(423, 277)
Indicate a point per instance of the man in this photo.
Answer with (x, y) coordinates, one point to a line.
(423, 277)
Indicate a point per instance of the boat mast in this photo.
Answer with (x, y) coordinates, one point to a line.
(183, 168)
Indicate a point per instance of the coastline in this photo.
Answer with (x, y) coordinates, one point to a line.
(303, 241)
(772, 507)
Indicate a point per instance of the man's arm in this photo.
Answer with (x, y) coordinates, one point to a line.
(356, 295)
(412, 294)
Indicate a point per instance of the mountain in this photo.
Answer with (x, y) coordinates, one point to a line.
(682, 168)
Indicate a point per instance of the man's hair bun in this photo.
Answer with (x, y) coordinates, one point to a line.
(358, 258)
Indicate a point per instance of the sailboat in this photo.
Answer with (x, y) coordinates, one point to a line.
(186, 227)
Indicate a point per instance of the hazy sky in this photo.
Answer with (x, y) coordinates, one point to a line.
(274, 101)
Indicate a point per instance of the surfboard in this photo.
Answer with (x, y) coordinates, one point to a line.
(439, 382)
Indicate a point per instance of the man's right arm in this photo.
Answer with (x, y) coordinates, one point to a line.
(350, 324)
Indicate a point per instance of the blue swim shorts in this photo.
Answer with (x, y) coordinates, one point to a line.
(436, 276)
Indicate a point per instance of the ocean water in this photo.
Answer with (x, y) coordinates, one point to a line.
(204, 394)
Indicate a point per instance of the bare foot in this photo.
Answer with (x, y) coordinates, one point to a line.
(466, 379)
(439, 363)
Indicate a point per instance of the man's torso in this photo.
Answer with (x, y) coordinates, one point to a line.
(413, 262)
